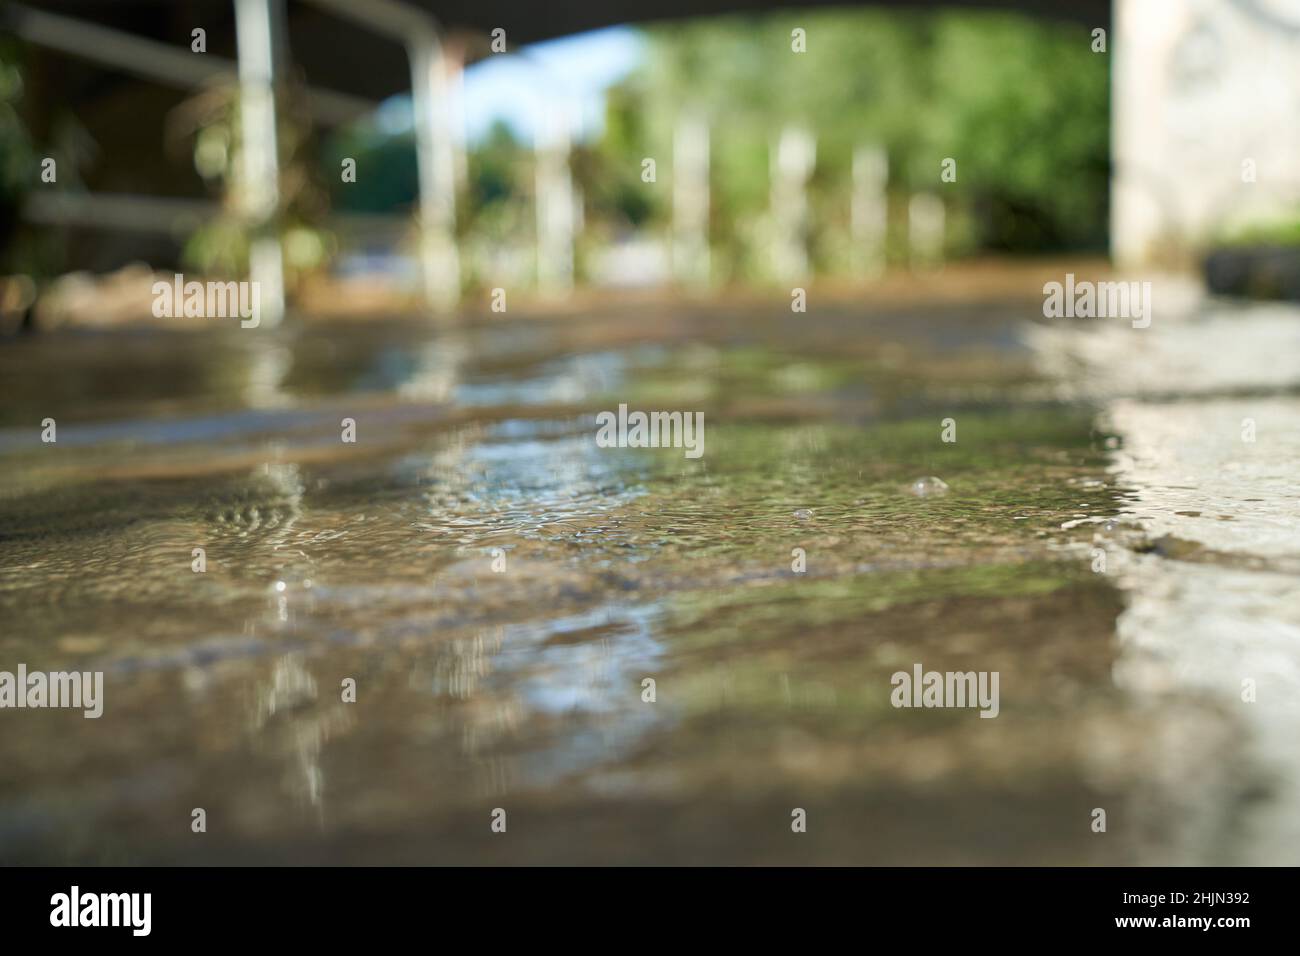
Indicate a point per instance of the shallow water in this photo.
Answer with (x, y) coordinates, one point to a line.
(499, 587)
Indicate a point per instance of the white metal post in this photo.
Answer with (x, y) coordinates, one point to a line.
(926, 219)
(691, 200)
(795, 156)
(555, 205)
(436, 160)
(260, 187)
(869, 214)
(432, 83)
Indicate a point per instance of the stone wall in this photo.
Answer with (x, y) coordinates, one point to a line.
(1205, 122)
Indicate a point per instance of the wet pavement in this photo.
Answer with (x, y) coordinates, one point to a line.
(499, 587)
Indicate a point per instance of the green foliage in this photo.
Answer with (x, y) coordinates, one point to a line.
(1021, 104)
(496, 166)
(19, 164)
(220, 245)
(390, 180)
(1283, 231)
(17, 157)
(1025, 108)
(611, 172)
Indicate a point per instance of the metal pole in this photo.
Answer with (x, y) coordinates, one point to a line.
(795, 156)
(436, 160)
(870, 209)
(154, 60)
(260, 188)
(691, 200)
(435, 146)
(555, 205)
(925, 230)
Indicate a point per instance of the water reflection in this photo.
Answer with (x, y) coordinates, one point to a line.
(1207, 552)
(500, 588)
(287, 717)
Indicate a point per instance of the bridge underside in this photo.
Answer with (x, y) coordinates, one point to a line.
(1202, 93)
(368, 66)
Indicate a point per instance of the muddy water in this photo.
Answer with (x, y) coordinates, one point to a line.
(500, 588)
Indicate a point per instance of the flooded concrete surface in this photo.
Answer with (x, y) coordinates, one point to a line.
(499, 586)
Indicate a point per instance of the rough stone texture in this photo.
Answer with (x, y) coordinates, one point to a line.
(1199, 87)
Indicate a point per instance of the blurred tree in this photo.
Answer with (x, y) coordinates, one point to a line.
(388, 177)
(219, 246)
(1022, 105)
(18, 164)
(498, 168)
(610, 171)
(24, 249)
(1026, 107)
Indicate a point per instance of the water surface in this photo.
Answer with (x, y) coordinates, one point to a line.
(499, 588)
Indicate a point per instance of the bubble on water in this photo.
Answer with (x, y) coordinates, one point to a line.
(803, 514)
(929, 486)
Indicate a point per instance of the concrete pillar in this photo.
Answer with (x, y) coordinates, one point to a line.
(691, 200)
(259, 34)
(1204, 141)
